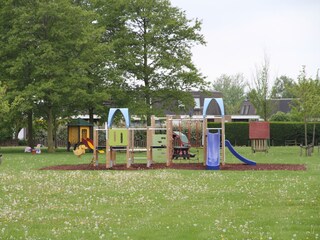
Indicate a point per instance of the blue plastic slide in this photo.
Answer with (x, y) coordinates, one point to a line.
(213, 151)
(237, 155)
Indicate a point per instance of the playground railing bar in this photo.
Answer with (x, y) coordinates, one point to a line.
(187, 119)
(212, 116)
(138, 129)
(159, 129)
(138, 149)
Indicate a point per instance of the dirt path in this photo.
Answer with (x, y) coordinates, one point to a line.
(185, 166)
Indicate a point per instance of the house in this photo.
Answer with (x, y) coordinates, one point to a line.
(248, 110)
(277, 105)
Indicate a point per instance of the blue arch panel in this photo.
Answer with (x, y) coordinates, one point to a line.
(125, 113)
(207, 102)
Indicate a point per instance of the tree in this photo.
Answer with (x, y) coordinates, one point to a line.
(152, 44)
(12, 58)
(281, 87)
(7, 122)
(259, 93)
(233, 90)
(306, 104)
(4, 105)
(280, 117)
(45, 55)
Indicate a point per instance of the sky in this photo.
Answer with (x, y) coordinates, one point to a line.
(240, 33)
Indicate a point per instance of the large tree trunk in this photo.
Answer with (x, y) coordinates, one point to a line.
(91, 120)
(146, 72)
(50, 130)
(307, 147)
(305, 132)
(313, 134)
(30, 129)
(55, 128)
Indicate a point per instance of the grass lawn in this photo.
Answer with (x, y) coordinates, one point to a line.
(158, 204)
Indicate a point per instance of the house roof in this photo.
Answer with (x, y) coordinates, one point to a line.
(281, 104)
(79, 122)
(199, 97)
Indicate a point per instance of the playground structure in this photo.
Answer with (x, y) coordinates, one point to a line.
(160, 140)
(78, 130)
(259, 135)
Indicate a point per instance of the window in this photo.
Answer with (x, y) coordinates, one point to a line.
(242, 110)
(245, 110)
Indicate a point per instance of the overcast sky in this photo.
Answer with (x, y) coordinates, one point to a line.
(240, 32)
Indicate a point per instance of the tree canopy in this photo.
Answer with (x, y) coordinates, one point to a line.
(259, 93)
(282, 87)
(152, 48)
(233, 91)
(45, 51)
(60, 58)
(4, 106)
(306, 104)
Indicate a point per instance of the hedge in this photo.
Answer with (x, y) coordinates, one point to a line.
(280, 133)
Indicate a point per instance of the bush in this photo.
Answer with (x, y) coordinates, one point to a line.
(280, 132)
(238, 133)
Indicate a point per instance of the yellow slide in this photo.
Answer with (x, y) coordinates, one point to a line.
(90, 145)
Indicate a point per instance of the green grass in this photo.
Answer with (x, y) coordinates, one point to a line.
(158, 204)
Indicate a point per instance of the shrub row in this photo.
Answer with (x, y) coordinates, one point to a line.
(280, 133)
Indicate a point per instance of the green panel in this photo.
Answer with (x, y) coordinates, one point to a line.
(118, 137)
(159, 140)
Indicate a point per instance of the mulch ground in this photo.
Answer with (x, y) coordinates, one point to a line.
(182, 166)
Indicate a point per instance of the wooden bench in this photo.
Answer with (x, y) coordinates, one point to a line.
(290, 143)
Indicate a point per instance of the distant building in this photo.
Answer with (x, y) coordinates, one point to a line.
(213, 109)
(277, 105)
(199, 102)
(281, 105)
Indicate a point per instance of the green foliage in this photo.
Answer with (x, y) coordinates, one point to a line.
(48, 48)
(291, 116)
(306, 105)
(4, 105)
(232, 88)
(236, 133)
(280, 117)
(307, 91)
(61, 58)
(259, 93)
(151, 45)
(280, 132)
(282, 87)
(5, 130)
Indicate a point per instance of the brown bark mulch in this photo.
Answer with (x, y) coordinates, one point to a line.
(184, 166)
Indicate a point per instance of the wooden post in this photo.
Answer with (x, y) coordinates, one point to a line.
(149, 147)
(153, 123)
(204, 141)
(131, 145)
(223, 138)
(169, 140)
(95, 145)
(108, 152)
(128, 149)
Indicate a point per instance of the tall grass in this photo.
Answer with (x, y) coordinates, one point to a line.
(158, 204)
